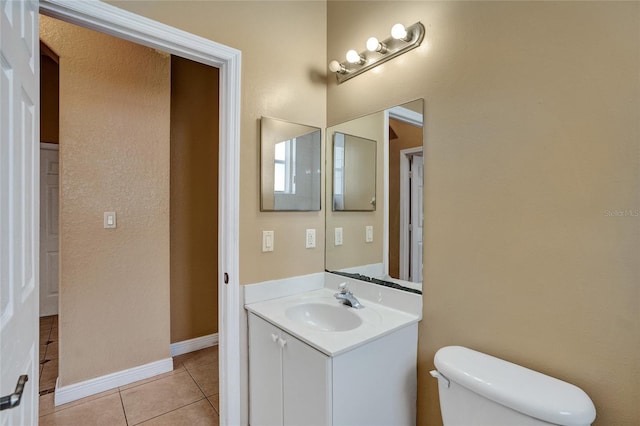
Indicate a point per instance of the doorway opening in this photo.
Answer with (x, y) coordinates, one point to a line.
(108, 19)
(49, 214)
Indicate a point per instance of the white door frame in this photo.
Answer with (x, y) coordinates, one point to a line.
(405, 211)
(111, 20)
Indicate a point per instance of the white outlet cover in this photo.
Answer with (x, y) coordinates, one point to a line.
(267, 241)
(311, 238)
(338, 237)
(110, 220)
(369, 234)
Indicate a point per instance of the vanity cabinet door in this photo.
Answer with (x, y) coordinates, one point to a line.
(265, 373)
(289, 381)
(306, 374)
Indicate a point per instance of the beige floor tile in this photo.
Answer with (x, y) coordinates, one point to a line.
(215, 401)
(206, 376)
(151, 379)
(49, 375)
(198, 414)
(201, 357)
(46, 324)
(44, 336)
(43, 351)
(159, 397)
(46, 402)
(52, 350)
(102, 411)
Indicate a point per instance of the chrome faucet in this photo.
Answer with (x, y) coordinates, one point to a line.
(347, 298)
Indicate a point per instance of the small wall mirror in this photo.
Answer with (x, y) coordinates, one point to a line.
(354, 173)
(290, 166)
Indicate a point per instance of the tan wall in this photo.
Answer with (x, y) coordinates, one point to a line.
(194, 199)
(283, 48)
(114, 155)
(532, 141)
(354, 251)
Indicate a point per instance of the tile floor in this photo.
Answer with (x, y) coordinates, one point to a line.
(48, 353)
(188, 395)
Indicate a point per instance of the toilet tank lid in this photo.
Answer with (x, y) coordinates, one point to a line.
(519, 388)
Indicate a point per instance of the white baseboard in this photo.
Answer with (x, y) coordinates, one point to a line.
(89, 387)
(191, 345)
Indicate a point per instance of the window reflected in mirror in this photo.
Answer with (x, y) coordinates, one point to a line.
(290, 166)
(354, 173)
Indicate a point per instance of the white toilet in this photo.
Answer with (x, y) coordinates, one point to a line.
(478, 389)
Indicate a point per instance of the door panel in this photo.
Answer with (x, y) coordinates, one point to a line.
(19, 206)
(49, 239)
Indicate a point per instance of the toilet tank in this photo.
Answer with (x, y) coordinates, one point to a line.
(478, 389)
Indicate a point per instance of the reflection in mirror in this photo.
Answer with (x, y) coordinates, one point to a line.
(290, 166)
(394, 253)
(354, 173)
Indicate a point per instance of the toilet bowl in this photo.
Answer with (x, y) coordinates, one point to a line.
(478, 389)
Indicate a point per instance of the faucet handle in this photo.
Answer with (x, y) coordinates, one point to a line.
(343, 288)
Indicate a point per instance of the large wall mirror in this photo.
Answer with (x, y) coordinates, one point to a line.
(290, 171)
(384, 243)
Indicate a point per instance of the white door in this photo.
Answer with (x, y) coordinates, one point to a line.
(49, 240)
(417, 216)
(19, 206)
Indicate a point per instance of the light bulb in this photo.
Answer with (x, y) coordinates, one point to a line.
(353, 57)
(398, 32)
(372, 44)
(334, 66)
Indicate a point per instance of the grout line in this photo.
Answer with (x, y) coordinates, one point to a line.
(175, 409)
(75, 403)
(196, 382)
(211, 404)
(123, 409)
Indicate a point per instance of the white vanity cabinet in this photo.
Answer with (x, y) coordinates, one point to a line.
(292, 383)
(289, 379)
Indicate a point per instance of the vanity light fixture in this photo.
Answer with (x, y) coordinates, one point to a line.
(401, 40)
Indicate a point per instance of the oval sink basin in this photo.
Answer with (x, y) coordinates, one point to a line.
(323, 317)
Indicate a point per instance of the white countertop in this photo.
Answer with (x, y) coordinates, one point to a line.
(377, 320)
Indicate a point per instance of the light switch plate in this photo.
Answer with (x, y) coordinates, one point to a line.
(369, 234)
(267, 241)
(311, 238)
(109, 220)
(338, 237)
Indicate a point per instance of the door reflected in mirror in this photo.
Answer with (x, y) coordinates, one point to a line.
(354, 173)
(290, 166)
(393, 251)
